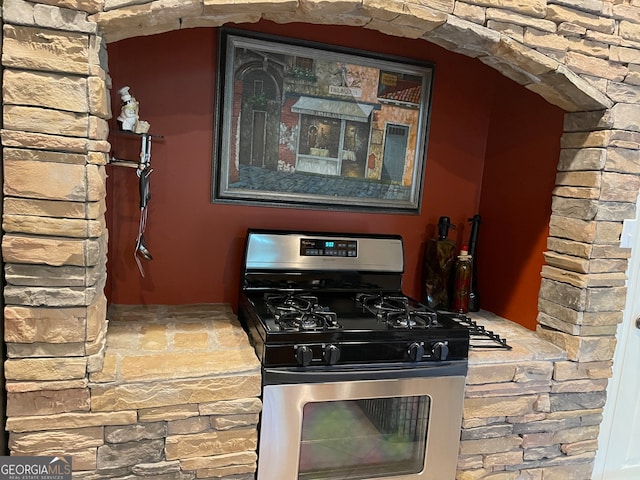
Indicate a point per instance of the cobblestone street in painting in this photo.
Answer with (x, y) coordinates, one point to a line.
(256, 178)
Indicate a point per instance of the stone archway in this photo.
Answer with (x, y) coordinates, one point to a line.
(542, 74)
(56, 106)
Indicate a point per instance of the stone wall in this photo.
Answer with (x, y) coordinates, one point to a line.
(530, 412)
(583, 56)
(176, 399)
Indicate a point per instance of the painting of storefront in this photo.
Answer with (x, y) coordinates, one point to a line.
(318, 116)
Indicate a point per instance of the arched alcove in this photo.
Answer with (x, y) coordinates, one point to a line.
(54, 242)
(527, 66)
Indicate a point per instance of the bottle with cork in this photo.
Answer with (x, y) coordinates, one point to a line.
(462, 281)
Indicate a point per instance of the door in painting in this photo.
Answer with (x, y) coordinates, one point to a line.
(395, 152)
(258, 138)
(618, 456)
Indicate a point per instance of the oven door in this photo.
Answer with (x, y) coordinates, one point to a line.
(389, 428)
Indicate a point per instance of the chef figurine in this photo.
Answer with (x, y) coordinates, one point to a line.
(129, 112)
(128, 117)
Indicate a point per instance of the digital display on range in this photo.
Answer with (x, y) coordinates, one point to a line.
(316, 247)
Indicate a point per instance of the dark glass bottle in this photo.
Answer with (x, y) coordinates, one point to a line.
(439, 259)
(462, 282)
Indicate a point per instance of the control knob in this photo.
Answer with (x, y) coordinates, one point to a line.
(304, 355)
(331, 354)
(440, 350)
(416, 351)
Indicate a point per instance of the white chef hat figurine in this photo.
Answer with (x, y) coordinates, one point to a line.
(128, 117)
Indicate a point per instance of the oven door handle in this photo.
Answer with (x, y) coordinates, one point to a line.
(280, 376)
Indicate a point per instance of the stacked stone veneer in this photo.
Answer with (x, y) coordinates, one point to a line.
(176, 399)
(582, 55)
(531, 412)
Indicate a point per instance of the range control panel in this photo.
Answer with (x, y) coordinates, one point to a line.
(316, 247)
(274, 250)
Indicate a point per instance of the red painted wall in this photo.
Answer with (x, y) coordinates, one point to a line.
(197, 245)
(523, 148)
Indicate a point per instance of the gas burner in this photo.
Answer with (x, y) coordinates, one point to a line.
(299, 312)
(380, 305)
(396, 311)
(291, 301)
(412, 319)
(307, 321)
(400, 320)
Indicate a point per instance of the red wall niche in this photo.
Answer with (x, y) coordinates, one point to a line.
(197, 245)
(523, 148)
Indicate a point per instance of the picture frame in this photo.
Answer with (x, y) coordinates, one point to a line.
(308, 125)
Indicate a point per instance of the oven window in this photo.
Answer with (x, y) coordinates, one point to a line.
(357, 439)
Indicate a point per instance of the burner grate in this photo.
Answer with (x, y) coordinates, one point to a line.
(395, 311)
(479, 336)
(295, 312)
(295, 321)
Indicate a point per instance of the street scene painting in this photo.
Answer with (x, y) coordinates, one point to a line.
(310, 126)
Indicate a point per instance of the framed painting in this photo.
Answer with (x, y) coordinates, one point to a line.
(307, 125)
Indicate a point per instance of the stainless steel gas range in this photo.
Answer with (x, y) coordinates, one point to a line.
(359, 380)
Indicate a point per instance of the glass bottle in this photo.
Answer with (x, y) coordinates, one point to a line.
(439, 261)
(462, 282)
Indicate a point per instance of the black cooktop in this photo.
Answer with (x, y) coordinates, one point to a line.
(354, 312)
(355, 332)
(339, 276)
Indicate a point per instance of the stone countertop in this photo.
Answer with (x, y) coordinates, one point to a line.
(147, 343)
(526, 344)
(150, 343)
